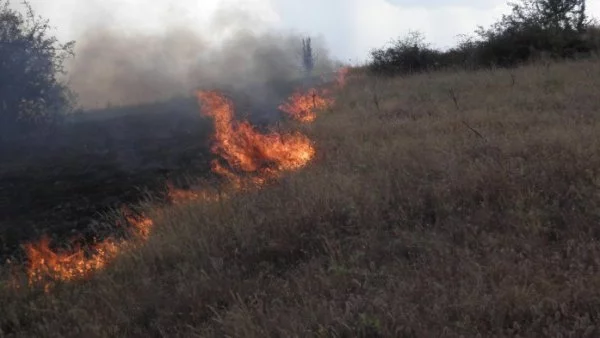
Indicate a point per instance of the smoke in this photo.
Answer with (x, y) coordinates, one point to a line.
(113, 67)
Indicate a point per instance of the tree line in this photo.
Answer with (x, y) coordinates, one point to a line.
(534, 29)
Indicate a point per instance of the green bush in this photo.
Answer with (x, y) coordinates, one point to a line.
(408, 55)
(534, 28)
(31, 62)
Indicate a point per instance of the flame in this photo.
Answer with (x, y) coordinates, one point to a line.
(252, 159)
(243, 148)
(246, 150)
(141, 226)
(304, 106)
(46, 264)
(180, 196)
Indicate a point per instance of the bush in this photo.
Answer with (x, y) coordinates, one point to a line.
(31, 62)
(534, 28)
(408, 55)
(591, 37)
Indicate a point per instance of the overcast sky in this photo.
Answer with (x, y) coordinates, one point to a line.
(350, 27)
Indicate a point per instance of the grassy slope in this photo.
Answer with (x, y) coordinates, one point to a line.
(409, 223)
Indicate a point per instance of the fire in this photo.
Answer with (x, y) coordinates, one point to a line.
(248, 159)
(46, 264)
(179, 196)
(141, 225)
(246, 150)
(304, 106)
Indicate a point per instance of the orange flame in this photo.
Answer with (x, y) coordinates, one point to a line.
(248, 151)
(180, 196)
(244, 149)
(46, 264)
(141, 225)
(304, 106)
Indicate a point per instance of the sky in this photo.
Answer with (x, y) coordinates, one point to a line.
(351, 28)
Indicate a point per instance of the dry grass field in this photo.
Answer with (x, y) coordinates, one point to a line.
(439, 205)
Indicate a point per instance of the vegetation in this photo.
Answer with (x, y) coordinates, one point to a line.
(534, 29)
(441, 205)
(457, 203)
(31, 62)
(308, 59)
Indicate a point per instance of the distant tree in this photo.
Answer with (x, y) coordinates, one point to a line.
(556, 27)
(532, 29)
(567, 15)
(31, 62)
(592, 36)
(308, 58)
(410, 54)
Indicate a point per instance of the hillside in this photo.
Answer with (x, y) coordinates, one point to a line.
(442, 204)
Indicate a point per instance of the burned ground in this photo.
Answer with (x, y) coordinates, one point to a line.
(67, 182)
(61, 183)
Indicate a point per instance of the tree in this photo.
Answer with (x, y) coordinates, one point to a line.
(566, 15)
(410, 54)
(308, 59)
(31, 62)
(533, 26)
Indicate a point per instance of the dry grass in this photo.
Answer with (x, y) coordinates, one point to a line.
(444, 204)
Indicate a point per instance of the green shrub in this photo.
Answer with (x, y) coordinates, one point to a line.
(533, 29)
(31, 62)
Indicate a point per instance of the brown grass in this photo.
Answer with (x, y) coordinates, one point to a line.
(443, 204)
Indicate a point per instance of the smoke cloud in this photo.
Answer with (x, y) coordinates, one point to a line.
(113, 67)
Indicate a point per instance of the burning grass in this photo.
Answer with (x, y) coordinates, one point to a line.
(263, 156)
(303, 106)
(46, 265)
(248, 151)
(443, 204)
(179, 196)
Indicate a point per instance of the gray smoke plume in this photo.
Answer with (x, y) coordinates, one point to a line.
(116, 68)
